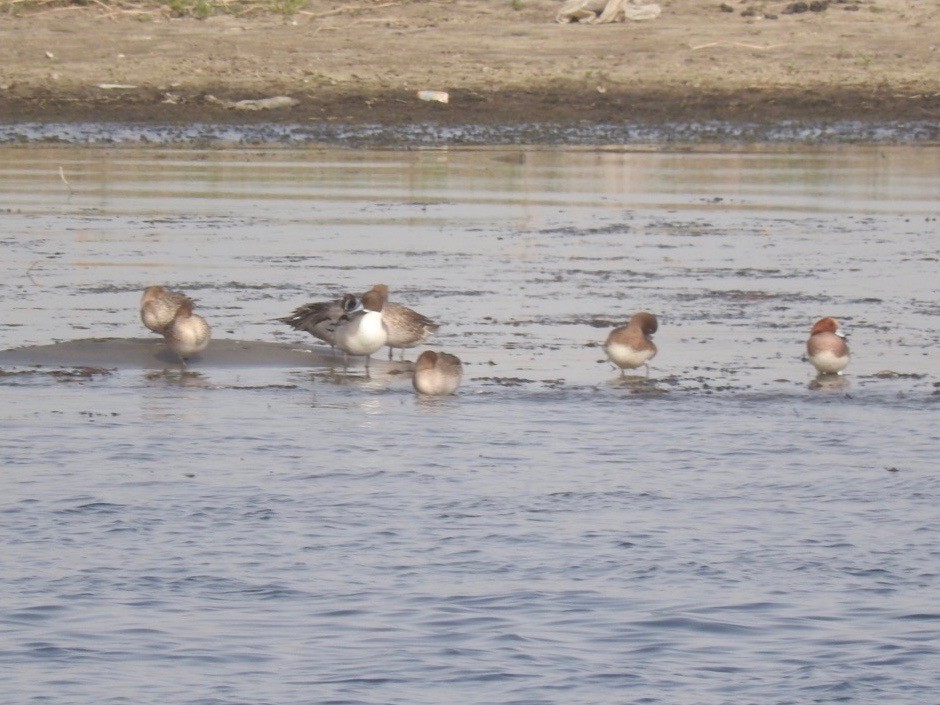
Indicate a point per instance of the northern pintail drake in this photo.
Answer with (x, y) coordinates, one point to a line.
(632, 345)
(362, 332)
(188, 332)
(158, 306)
(406, 328)
(437, 373)
(321, 319)
(826, 347)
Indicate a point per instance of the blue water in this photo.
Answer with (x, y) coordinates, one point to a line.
(201, 546)
(725, 533)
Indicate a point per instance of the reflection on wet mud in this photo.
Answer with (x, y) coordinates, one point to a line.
(830, 383)
(179, 377)
(638, 385)
(381, 374)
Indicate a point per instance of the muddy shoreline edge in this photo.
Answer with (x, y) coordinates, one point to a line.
(509, 117)
(354, 73)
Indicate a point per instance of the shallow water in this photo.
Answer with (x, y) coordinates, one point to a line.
(265, 528)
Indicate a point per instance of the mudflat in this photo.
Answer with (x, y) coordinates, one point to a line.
(499, 63)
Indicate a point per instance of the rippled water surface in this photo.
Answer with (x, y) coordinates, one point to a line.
(266, 527)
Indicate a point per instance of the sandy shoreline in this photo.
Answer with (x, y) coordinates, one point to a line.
(499, 66)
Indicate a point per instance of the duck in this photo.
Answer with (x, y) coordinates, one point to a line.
(632, 345)
(826, 347)
(321, 318)
(362, 331)
(406, 327)
(188, 333)
(437, 373)
(158, 306)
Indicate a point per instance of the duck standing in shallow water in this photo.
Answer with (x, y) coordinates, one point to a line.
(826, 347)
(632, 345)
(362, 331)
(406, 328)
(321, 319)
(188, 333)
(158, 306)
(437, 373)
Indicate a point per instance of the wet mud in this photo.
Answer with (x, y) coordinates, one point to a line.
(147, 353)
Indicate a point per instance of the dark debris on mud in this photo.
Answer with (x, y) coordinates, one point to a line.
(891, 374)
(506, 381)
(68, 374)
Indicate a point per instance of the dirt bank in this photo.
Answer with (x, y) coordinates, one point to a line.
(364, 62)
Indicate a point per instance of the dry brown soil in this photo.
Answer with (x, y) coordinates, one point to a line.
(364, 62)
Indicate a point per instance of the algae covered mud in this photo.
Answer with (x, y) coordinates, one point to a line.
(377, 135)
(267, 527)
